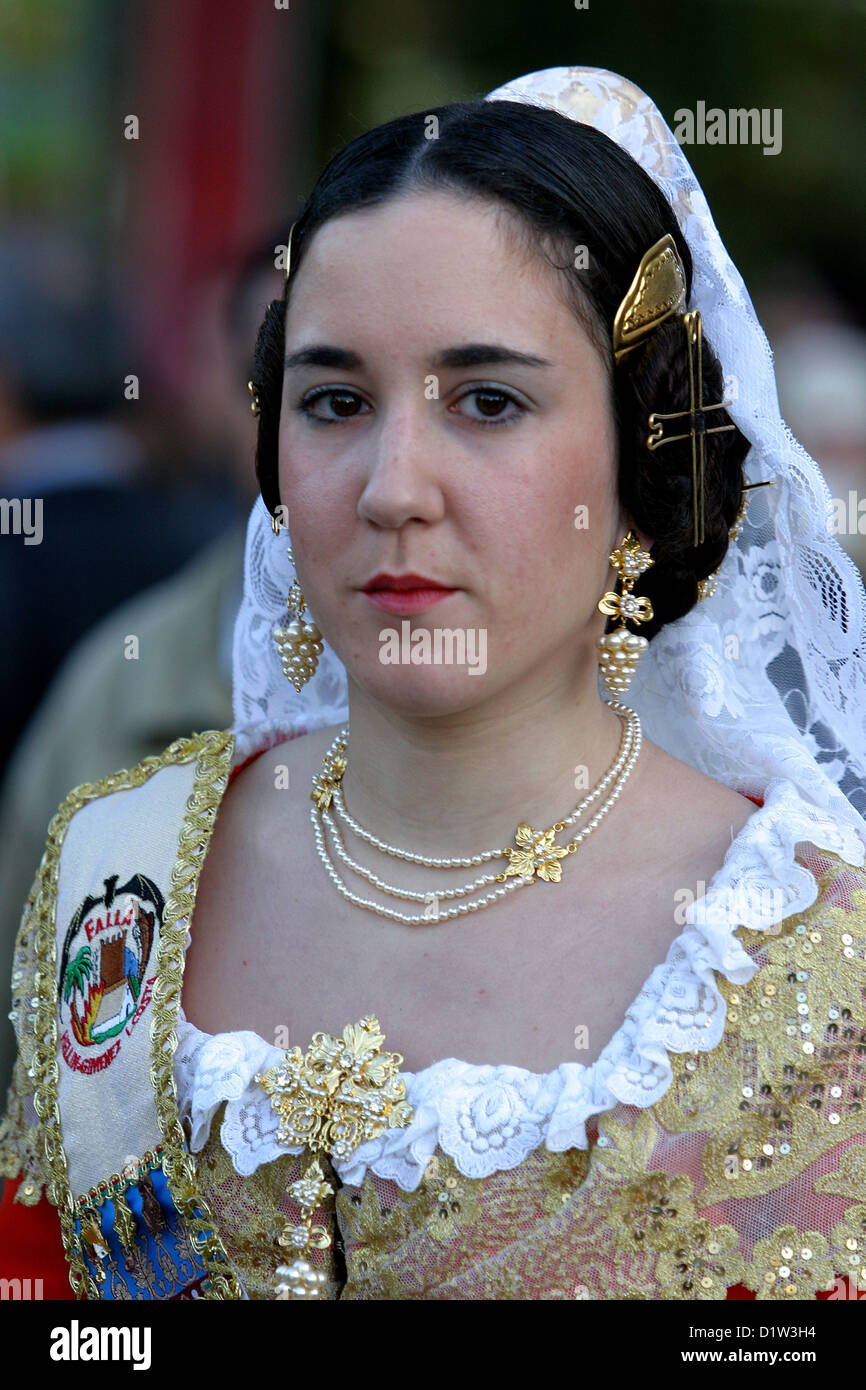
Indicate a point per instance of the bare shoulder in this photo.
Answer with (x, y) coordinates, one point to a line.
(252, 876)
(287, 769)
(265, 801)
(688, 809)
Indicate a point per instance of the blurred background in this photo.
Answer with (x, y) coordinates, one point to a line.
(152, 157)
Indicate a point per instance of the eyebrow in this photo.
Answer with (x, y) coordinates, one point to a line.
(465, 355)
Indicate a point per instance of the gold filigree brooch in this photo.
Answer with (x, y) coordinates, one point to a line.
(336, 1096)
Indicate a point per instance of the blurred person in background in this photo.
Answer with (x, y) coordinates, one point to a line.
(104, 711)
(85, 525)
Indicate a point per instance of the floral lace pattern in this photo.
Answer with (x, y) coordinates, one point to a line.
(490, 1118)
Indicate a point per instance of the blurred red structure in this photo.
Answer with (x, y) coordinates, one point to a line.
(222, 95)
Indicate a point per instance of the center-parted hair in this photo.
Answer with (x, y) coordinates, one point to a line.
(567, 186)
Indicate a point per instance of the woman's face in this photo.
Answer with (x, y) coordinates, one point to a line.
(403, 448)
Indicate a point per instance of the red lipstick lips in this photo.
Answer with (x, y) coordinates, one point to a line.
(383, 580)
(405, 593)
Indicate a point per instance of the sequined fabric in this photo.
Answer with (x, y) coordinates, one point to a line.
(751, 1168)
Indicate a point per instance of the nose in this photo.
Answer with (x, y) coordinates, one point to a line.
(404, 466)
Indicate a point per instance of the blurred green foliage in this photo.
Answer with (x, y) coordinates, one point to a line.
(804, 205)
(57, 68)
(66, 69)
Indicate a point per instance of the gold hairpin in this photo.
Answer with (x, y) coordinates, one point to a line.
(289, 252)
(657, 291)
(695, 414)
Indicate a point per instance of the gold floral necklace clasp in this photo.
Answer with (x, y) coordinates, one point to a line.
(536, 854)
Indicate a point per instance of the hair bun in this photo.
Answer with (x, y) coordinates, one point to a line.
(656, 485)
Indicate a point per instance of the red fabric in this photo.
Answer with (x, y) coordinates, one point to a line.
(246, 762)
(31, 1246)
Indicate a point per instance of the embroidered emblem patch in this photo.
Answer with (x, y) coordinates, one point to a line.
(103, 986)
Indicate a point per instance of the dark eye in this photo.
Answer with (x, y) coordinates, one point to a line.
(489, 401)
(343, 403)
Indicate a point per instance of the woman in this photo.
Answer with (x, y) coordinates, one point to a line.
(493, 376)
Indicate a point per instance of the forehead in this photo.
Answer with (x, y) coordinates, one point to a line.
(431, 262)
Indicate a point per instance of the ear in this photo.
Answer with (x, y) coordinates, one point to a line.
(645, 540)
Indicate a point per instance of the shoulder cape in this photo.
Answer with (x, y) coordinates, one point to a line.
(97, 980)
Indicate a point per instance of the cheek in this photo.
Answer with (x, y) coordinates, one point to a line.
(319, 510)
(569, 519)
(551, 547)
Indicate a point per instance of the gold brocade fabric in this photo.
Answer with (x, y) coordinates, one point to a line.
(750, 1170)
(251, 1213)
(20, 1135)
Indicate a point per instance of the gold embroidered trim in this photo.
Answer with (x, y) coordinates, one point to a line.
(253, 1210)
(20, 1135)
(212, 774)
(213, 751)
(655, 1216)
(117, 1184)
(662, 1240)
(763, 1111)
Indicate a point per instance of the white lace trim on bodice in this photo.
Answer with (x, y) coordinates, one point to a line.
(489, 1117)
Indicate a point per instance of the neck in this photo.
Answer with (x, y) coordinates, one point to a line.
(461, 783)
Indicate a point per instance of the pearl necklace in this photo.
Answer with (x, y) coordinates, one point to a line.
(536, 852)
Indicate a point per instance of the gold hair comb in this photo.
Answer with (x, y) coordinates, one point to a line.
(657, 291)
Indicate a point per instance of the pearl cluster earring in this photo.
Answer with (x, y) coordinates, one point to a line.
(299, 644)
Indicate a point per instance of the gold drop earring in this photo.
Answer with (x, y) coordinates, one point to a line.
(620, 651)
(299, 644)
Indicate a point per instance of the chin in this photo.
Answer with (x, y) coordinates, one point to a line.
(423, 690)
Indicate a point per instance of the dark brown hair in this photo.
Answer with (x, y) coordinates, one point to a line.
(568, 185)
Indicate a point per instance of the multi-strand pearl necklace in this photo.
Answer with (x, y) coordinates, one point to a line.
(536, 852)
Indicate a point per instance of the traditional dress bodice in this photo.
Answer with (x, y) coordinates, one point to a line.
(718, 1142)
(685, 1162)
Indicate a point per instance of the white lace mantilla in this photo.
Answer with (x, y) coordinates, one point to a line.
(489, 1118)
